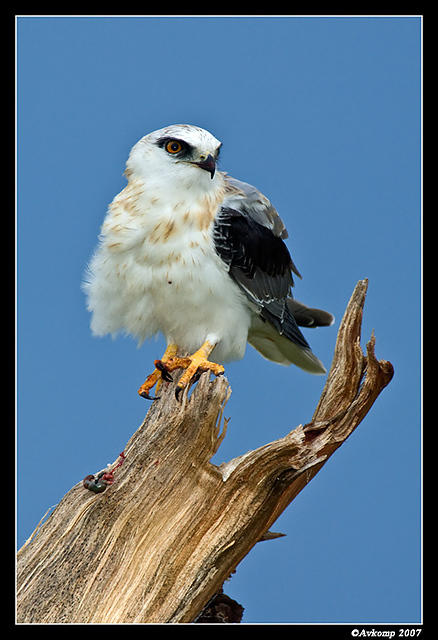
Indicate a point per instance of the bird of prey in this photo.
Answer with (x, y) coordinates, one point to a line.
(189, 251)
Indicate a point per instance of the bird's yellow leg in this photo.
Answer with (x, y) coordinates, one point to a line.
(197, 362)
(156, 377)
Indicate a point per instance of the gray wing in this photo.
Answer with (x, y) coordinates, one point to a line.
(249, 201)
(248, 234)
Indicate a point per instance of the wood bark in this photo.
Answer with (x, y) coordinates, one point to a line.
(158, 544)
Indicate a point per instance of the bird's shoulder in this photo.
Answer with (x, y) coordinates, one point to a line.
(250, 202)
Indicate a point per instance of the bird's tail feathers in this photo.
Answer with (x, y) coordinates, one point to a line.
(302, 357)
(278, 348)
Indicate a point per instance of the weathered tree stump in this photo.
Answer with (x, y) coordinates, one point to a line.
(157, 545)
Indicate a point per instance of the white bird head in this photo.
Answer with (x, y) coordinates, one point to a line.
(178, 154)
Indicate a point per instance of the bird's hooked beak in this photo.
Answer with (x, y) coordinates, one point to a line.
(209, 164)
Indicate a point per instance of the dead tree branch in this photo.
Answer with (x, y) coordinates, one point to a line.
(157, 545)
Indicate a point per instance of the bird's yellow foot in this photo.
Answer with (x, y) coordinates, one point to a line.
(159, 374)
(194, 365)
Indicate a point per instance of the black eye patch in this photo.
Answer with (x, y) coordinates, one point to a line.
(185, 147)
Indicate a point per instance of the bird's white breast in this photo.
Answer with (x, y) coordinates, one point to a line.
(156, 270)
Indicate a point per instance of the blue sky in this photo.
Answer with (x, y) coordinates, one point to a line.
(324, 116)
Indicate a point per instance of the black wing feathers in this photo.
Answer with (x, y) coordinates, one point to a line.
(246, 244)
(260, 263)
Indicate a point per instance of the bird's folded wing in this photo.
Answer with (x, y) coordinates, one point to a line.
(248, 235)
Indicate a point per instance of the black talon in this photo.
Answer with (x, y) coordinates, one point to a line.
(166, 376)
(144, 394)
(178, 391)
(164, 372)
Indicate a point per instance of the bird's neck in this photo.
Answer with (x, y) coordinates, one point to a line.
(185, 192)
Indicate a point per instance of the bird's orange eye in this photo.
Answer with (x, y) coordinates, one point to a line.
(173, 146)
